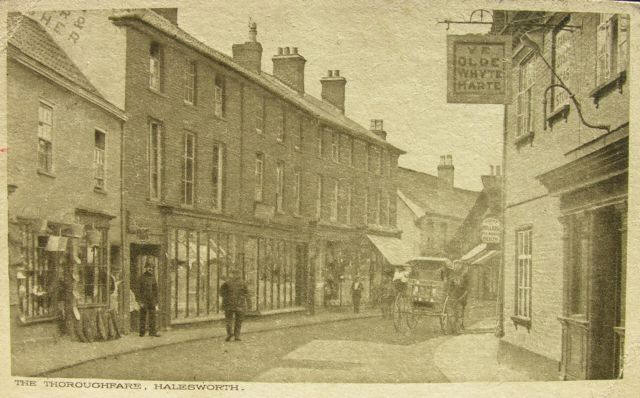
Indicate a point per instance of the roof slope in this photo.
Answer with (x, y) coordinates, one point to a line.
(318, 108)
(29, 37)
(427, 191)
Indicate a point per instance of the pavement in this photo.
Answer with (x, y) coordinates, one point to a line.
(469, 357)
(40, 359)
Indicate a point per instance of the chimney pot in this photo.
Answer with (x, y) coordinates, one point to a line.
(249, 54)
(333, 89)
(445, 171)
(498, 170)
(378, 129)
(288, 67)
(491, 167)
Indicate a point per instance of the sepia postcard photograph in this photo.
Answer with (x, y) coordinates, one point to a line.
(319, 198)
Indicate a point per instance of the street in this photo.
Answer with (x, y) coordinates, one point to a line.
(362, 350)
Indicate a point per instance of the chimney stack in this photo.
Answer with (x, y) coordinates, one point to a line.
(445, 171)
(288, 67)
(249, 54)
(378, 129)
(333, 89)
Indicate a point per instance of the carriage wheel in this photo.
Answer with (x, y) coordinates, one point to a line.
(452, 317)
(404, 318)
(444, 317)
(398, 314)
(411, 316)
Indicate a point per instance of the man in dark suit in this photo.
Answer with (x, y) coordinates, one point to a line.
(148, 300)
(235, 296)
(356, 294)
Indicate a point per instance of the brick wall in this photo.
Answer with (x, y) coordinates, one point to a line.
(71, 184)
(237, 132)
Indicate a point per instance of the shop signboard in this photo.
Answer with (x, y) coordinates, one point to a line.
(491, 230)
(478, 69)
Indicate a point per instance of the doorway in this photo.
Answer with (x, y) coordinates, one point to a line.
(607, 277)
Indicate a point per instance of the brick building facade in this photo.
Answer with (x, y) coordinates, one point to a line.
(228, 166)
(64, 179)
(566, 190)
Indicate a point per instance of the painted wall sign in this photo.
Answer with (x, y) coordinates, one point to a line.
(491, 230)
(478, 68)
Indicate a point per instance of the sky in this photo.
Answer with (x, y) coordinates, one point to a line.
(393, 55)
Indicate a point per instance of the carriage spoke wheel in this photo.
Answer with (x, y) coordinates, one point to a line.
(452, 322)
(444, 318)
(404, 317)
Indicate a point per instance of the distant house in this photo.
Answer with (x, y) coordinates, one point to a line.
(430, 208)
(481, 253)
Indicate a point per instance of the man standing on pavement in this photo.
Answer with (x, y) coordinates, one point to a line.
(234, 294)
(148, 300)
(356, 294)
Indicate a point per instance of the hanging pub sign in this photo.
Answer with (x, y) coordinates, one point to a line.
(478, 68)
(490, 230)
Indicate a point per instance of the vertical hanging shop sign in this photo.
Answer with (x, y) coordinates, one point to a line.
(478, 69)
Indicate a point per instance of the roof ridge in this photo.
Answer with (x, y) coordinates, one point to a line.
(17, 18)
(162, 24)
(454, 188)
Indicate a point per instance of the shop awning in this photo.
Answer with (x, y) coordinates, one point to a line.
(479, 254)
(486, 256)
(394, 250)
(474, 252)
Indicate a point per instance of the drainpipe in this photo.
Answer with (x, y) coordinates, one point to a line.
(500, 326)
(241, 165)
(123, 236)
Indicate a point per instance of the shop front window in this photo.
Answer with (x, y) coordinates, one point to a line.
(36, 276)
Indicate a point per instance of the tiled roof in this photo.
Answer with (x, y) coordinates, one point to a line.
(428, 192)
(32, 40)
(326, 112)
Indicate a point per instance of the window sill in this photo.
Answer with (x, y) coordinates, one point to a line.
(46, 173)
(157, 92)
(518, 320)
(560, 113)
(606, 87)
(525, 138)
(99, 190)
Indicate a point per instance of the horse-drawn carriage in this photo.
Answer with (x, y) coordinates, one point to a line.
(430, 290)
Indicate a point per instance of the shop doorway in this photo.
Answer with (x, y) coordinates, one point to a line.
(141, 255)
(606, 312)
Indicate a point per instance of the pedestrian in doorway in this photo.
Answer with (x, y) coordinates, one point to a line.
(235, 295)
(356, 294)
(148, 300)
